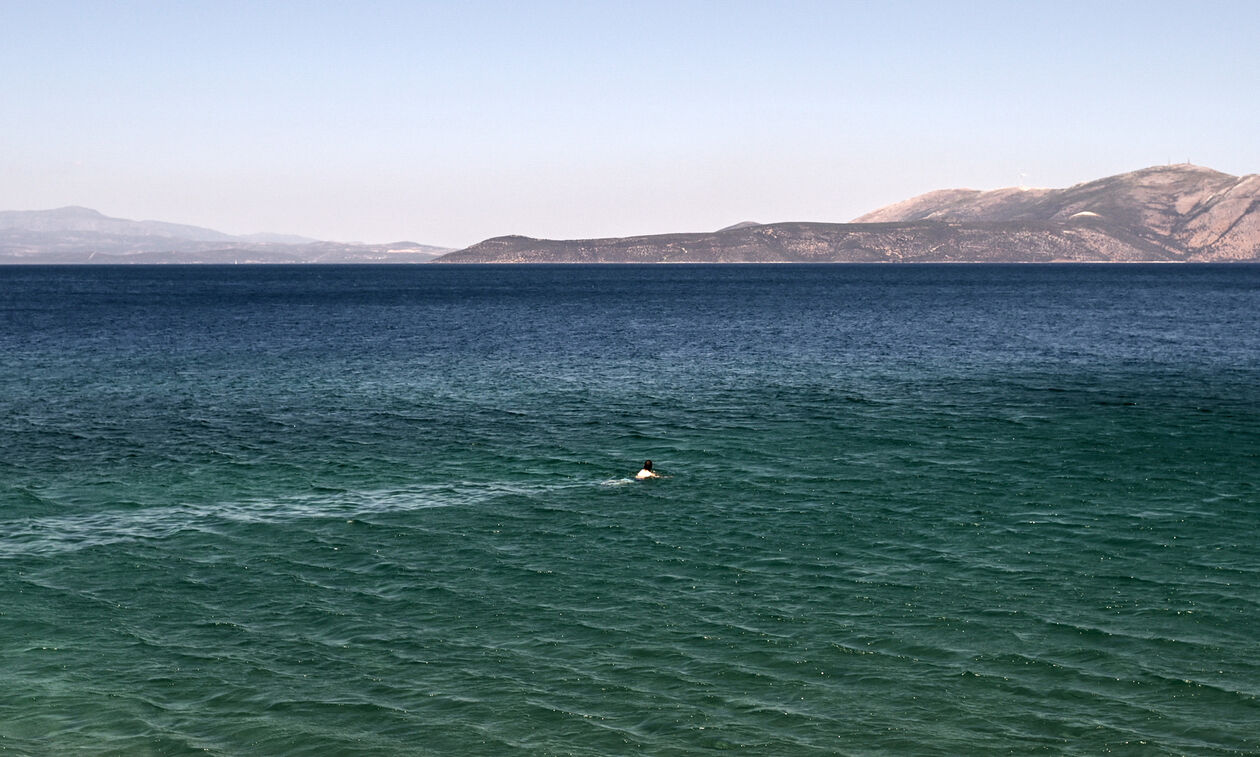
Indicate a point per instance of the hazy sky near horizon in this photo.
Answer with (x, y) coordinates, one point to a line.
(447, 123)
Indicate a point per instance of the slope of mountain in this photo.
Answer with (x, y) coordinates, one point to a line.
(923, 242)
(87, 221)
(1193, 212)
(1164, 213)
(82, 235)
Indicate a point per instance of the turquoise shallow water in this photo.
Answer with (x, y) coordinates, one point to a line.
(909, 510)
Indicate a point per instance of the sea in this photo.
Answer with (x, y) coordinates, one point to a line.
(390, 510)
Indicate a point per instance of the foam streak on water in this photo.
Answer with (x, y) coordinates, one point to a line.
(908, 510)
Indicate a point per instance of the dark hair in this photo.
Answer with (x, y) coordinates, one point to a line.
(647, 465)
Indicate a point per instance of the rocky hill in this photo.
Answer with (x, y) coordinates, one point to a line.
(1194, 213)
(82, 235)
(921, 242)
(1164, 213)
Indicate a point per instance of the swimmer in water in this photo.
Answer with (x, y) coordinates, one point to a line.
(647, 471)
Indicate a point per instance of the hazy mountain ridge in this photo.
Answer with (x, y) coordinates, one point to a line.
(74, 219)
(1164, 213)
(82, 235)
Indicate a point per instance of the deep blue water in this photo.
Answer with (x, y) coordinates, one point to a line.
(959, 509)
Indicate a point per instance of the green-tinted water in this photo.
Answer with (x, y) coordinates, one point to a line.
(923, 510)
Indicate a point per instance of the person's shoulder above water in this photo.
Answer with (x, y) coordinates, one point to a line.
(647, 471)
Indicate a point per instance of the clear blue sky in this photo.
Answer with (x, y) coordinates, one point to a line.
(446, 123)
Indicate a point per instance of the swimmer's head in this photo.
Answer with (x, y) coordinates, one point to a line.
(647, 465)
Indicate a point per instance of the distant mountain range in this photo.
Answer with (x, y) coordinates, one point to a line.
(82, 235)
(1175, 213)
